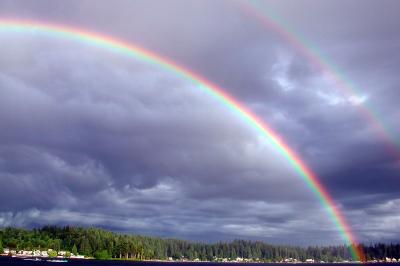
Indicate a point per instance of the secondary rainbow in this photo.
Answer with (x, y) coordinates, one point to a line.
(272, 21)
(128, 49)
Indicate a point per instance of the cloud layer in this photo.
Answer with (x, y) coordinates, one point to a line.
(92, 137)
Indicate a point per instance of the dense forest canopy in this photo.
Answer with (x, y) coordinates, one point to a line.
(105, 244)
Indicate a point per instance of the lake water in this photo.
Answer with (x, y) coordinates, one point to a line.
(6, 261)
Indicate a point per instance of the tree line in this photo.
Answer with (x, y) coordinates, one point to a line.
(103, 244)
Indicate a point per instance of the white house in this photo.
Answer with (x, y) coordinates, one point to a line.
(62, 253)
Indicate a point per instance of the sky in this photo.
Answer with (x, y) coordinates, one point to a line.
(94, 138)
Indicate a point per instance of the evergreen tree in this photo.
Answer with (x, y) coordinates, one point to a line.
(74, 250)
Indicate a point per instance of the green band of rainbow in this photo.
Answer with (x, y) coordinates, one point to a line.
(272, 21)
(211, 89)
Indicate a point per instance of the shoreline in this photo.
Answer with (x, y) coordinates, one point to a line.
(22, 257)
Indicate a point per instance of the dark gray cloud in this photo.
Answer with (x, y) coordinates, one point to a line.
(92, 137)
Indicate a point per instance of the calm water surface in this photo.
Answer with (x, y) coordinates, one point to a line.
(5, 261)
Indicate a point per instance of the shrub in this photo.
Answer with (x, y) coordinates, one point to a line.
(102, 255)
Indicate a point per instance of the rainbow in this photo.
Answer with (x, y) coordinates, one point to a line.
(272, 21)
(211, 89)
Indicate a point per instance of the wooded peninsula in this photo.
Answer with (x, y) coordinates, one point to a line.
(103, 244)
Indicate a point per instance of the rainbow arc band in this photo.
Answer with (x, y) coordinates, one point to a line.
(128, 49)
